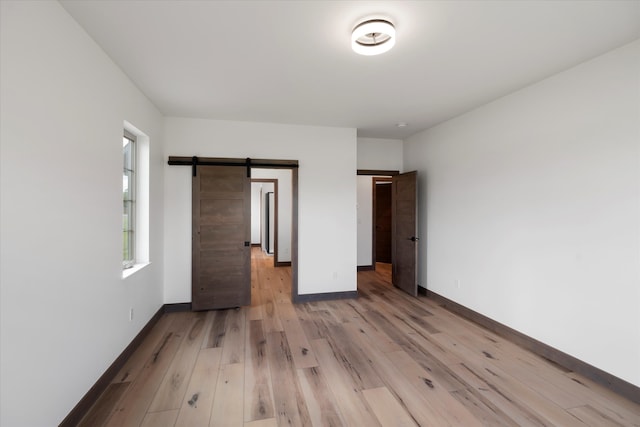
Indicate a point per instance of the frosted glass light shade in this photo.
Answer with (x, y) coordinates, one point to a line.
(373, 37)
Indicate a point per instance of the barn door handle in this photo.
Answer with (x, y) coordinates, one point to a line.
(414, 238)
(247, 243)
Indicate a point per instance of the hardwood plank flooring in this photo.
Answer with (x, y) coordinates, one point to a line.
(320, 400)
(174, 385)
(258, 400)
(383, 359)
(388, 410)
(198, 400)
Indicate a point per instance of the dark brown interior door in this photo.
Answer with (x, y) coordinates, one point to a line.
(404, 231)
(221, 227)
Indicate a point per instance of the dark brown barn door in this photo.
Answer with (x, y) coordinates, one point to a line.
(404, 230)
(221, 252)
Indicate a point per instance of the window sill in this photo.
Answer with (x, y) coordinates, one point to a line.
(131, 271)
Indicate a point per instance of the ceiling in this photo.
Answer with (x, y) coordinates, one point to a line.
(291, 61)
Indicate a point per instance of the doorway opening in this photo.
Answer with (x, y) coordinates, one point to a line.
(381, 219)
(264, 218)
(373, 225)
(374, 218)
(271, 235)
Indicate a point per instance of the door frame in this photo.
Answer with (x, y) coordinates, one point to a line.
(263, 164)
(374, 182)
(374, 173)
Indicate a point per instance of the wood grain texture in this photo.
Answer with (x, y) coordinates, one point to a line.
(349, 400)
(387, 409)
(404, 216)
(101, 410)
(385, 358)
(221, 262)
(160, 419)
(198, 400)
(290, 405)
(233, 350)
(258, 395)
(269, 422)
(174, 384)
(217, 329)
(229, 400)
(301, 350)
(321, 403)
(136, 362)
(133, 406)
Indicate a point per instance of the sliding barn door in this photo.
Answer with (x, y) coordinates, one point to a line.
(404, 230)
(221, 252)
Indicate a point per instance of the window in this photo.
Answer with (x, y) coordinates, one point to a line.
(128, 200)
(136, 147)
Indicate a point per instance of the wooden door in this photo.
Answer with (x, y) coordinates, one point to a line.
(221, 227)
(404, 232)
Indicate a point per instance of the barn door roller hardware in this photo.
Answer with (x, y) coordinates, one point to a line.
(248, 163)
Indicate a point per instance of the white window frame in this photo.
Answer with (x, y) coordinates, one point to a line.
(129, 231)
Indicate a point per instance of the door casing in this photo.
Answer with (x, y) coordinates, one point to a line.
(396, 178)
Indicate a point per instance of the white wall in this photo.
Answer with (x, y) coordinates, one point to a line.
(533, 203)
(64, 304)
(380, 154)
(283, 176)
(326, 195)
(373, 154)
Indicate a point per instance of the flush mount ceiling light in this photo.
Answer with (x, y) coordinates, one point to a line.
(373, 37)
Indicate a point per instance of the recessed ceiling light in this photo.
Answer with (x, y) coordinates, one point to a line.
(402, 124)
(373, 37)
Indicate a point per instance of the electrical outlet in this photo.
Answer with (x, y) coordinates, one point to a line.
(458, 283)
(335, 275)
(130, 314)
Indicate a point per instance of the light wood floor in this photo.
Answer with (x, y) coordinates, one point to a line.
(384, 359)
